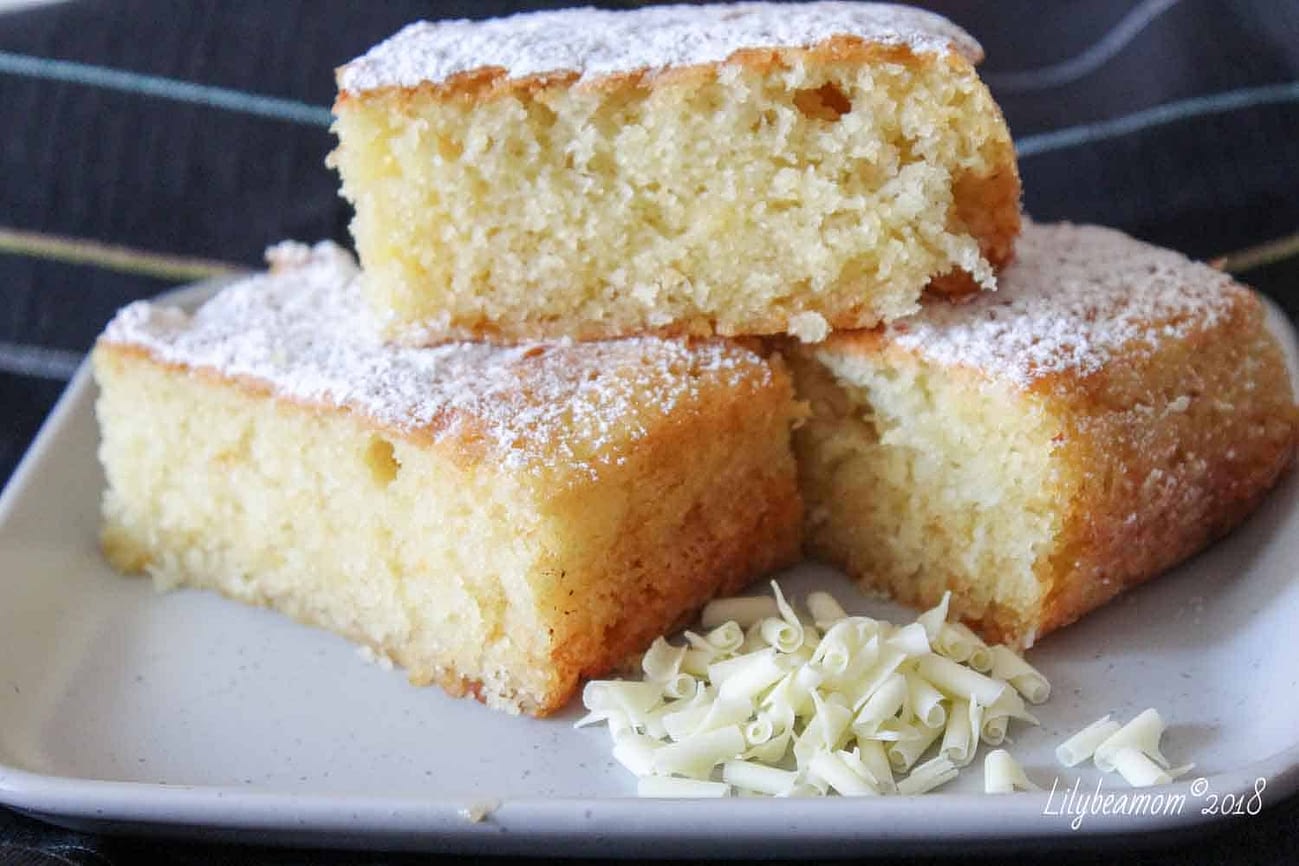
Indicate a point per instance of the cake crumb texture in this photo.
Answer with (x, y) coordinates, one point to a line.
(1108, 412)
(501, 522)
(302, 332)
(720, 171)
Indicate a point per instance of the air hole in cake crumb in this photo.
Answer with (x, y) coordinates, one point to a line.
(826, 102)
(766, 119)
(449, 149)
(382, 460)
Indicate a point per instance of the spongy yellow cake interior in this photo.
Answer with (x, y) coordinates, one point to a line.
(930, 481)
(834, 183)
(502, 522)
(1111, 409)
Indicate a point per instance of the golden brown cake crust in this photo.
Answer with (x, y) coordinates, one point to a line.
(665, 39)
(1150, 494)
(747, 523)
(494, 83)
(1144, 494)
(1173, 410)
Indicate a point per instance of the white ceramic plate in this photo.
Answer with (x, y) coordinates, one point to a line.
(185, 713)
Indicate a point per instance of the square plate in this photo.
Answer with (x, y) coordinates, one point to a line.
(183, 713)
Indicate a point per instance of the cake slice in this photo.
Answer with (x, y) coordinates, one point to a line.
(758, 168)
(1106, 413)
(499, 521)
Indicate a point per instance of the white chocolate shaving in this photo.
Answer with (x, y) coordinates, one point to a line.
(994, 730)
(825, 731)
(782, 635)
(617, 720)
(629, 697)
(910, 640)
(883, 704)
(1137, 769)
(959, 643)
(662, 661)
(696, 661)
(933, 620)
(839, 648)
(1132, 750)
(824, 609)
(960, 736)
(772, 702)
(1082, 745)
(681, 719)
(725, 712)
(758, 778)
(1012, 705)
(925, 702)
(1011, 667)
(838, 774)
(889, 662)
(1142, 733)
(794, 692)
(726, 638)
(889, 731)
(875, 762)
(976, 726)
(959, 682)
(696, 756)
(908, 749)
(786, 610)
(773, 750)
(1002, 774)
(681, 687)
(927, 776)
(743, 677)
(759, 731)
(636, 752)
(664, 786)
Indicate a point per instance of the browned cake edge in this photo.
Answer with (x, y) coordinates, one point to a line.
(1119, 532)
(748, 523)
(1211, 466)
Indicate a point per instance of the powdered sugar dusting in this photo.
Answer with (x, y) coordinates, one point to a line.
(596, 43)
(1075, 297)
(304, 331)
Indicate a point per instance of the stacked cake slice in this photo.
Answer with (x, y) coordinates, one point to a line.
(497, 520)
(747, 169)
(638, 216)
(1106, 412)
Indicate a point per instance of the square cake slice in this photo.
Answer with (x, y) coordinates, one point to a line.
(503, 522)
(757, 168)
(1107, 412)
